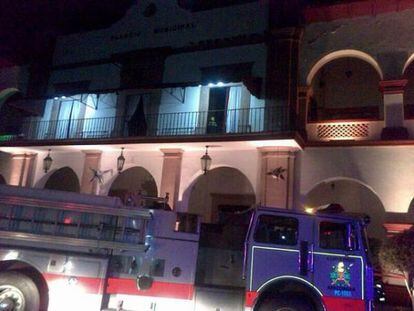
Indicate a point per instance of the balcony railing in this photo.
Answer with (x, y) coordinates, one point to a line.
(273, 119)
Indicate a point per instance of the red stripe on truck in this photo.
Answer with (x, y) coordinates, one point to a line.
(250, 298)
(87, 284)
(158, 289)
(343, 304)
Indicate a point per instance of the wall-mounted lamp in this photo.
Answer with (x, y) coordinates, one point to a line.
(205, 161)
(47, 162)
(120, 161)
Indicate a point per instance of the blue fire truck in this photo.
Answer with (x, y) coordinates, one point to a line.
(61, 251)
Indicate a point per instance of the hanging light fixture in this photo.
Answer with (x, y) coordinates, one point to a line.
(47, 162)
(205, 161)
(120, 161)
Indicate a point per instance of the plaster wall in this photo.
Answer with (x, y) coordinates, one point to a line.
(170, 104)
(101, 77)
(5, 165)
(387, 171)
(190, 63)
(385, 37)
(169, 26)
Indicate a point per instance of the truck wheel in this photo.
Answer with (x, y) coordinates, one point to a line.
(286, 303)
(18, 292)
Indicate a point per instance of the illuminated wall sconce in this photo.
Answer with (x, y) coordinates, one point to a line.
(47, 162)
(120, 161)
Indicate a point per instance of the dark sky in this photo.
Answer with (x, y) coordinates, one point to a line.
(28, 27)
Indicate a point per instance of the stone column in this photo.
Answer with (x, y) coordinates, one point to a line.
(282, 74)
(304, 93)
(277, 190)
(92, 161)
(393, 95)
(171, 174)
(22, 169)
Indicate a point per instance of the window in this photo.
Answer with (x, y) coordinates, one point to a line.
(337, 236)
(277, 230)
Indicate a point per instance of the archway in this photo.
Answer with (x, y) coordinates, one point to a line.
(409, 90)
(2, 180)
(133, 180)
(64, 179)
(411, 209)
(11, 115)
(220, 188)
(345, 86)
(354, 197)
(222, 198)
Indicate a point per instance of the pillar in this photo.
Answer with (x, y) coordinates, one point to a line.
(171, 174)
(282, 72)
(276, 192)
(304, 93)
(92, 161)
(393, 97)
(22, 169)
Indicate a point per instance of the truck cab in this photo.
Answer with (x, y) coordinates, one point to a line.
(299, 261)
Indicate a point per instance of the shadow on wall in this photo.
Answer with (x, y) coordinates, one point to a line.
(354, 197)
(134, 180)
(220, 187)
(64, 179)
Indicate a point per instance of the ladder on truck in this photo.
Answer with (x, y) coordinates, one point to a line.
(60, 219)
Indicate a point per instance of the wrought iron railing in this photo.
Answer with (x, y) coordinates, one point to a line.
(217, 122)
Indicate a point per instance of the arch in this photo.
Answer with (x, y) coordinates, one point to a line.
(341, 54)
(6, 94)
(134, 179)
(63, 179)
(344, 86)
(408, 74)
(410, 210)
(11, 116)
(354, 196)
(407, 63)
(221, 189)
(2, 180)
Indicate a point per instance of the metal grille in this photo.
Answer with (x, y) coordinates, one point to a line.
(343, 131)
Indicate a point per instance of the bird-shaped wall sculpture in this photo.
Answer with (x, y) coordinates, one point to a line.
(99, 175)
(277, 173)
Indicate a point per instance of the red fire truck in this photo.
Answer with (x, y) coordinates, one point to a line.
(64, 251)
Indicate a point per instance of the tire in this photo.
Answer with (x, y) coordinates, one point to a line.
(286, 303)
(23, 287)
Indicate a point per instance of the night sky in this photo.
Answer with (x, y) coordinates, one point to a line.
(28, 28)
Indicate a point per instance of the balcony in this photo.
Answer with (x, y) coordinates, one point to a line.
(221, 123)
(351, 123)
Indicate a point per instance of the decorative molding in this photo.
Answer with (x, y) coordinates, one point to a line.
(393, 86)
(326, 13)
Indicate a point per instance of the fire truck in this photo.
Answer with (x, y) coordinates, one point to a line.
(65, 251)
